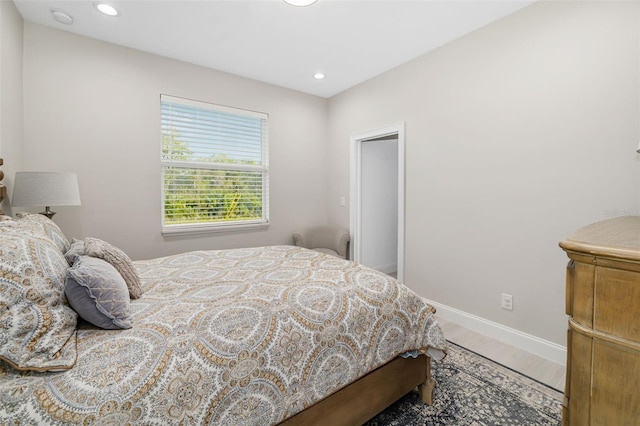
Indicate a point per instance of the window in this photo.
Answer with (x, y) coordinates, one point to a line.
(214, 167)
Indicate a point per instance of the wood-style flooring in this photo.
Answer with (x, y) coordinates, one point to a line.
(538, 368)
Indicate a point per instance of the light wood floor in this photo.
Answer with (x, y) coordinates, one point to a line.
(541, 369)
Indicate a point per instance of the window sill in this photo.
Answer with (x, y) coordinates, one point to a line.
(198, 228)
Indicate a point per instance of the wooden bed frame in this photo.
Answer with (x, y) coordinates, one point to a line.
(363, 399)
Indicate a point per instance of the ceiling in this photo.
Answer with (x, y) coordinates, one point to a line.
(350, 41)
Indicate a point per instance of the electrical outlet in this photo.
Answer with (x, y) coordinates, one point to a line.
(507, 302)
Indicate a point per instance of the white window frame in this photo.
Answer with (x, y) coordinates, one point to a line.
(207, 227)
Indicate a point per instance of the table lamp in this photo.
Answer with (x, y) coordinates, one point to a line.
(47, 189)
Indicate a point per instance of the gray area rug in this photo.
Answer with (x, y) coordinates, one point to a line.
(473, 390)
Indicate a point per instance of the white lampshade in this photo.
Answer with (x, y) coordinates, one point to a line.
(33, 189)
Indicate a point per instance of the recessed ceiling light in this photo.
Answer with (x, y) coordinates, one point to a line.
(319, 76)
(300, 2)
(61, 16)
(107, 9)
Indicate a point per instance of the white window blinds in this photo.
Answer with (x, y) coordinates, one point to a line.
(214, 167)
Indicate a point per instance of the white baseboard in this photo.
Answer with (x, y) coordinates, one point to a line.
(527, 342)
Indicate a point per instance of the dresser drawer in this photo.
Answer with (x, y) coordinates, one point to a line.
(616, 310)
(615, 399)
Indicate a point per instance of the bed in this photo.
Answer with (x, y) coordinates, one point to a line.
(254, 336)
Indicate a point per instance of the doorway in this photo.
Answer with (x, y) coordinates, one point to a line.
(377, 199)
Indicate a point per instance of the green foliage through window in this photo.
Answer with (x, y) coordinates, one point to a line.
(214, 162)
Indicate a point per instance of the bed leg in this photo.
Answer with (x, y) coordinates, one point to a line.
(425, 389)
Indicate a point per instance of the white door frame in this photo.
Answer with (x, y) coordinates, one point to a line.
(355, 207)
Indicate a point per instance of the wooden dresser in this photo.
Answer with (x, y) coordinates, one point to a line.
(603, 341)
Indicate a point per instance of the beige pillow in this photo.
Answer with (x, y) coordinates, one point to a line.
(96, 247)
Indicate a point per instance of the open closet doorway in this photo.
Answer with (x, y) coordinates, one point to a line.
(377, 199)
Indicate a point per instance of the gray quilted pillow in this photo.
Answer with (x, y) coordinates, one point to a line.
(95, 247)
(75, 249)
(98, 293)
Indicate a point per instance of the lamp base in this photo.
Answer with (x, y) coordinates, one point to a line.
(47, 212)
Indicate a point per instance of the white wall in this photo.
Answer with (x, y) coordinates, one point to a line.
(11, 101)
(93, 108)
(516, 135)
(379, 205)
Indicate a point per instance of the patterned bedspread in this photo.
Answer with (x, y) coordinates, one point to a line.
(245, 336)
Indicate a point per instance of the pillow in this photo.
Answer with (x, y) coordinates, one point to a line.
(37, 326)
(101, 249)
(98, 293)
(7, 221)
(75, 249)
(47, 226)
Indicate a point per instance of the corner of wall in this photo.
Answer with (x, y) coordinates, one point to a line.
(11, 95)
